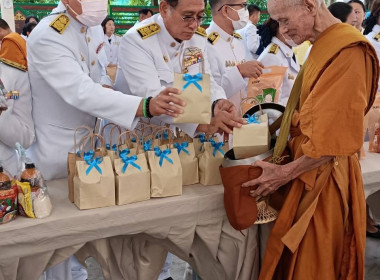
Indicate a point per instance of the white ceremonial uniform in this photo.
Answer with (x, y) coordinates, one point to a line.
(374, 38)
(149, 64)
(225, 53)
(111, 46)
(16, 124)
(251, 40)
(279, 54)
(67, 71)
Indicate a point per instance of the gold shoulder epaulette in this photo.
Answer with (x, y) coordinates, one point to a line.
(148, 30)
(377, 37)
(13, 64)
(237, 35)
(118, 35)
(273, 49)
(213, 37)
(201, 31)
(60, 23)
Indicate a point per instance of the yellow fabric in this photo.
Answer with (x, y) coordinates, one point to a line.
(13, 48)
(300, 51)
(320, 232)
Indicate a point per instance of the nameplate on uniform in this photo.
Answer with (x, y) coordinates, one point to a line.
(213, 37)
(377, 37)
(237, 35)
(273, 49)
(60, 23)
(201, 31)
(13, 94)
(148, 30)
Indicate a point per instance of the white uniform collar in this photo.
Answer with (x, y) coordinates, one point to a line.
(223, 34)
(288, 52)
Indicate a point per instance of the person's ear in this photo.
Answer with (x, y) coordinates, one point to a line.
(164, 9)
(311, 6)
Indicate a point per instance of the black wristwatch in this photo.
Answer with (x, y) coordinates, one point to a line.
(213, 106)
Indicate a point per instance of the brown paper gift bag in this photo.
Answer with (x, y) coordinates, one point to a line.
(195, 90)
(166, 170)
(209, 162)
(72, 158)
(94, 181)
(189, 161)
(132, 176)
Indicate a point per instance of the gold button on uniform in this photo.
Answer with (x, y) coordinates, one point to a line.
(176, 54)
(93, 62)
(88, 39)
(172, 44)
(229, 40)
(82, 29)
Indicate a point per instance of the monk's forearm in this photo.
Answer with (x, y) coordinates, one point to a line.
(304, 164)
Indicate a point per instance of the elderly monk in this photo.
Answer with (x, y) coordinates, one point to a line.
(320, 231)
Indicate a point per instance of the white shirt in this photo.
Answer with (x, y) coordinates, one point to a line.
(111, 46)
(16, 124)
(149, 64)
(67, 72)
(225, 53)
(283, 57)
(251, 40)
(374, 38)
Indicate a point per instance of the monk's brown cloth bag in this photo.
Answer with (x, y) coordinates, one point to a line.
(241, 208)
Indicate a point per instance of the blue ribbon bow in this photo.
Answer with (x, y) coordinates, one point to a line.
(182, 147)
(202, 139)
(193, 79)
(251, 119)
(89, 159)
(133, 140)
(108, 147)
(165, 135)
(217, 147)
(130, 160)
(148, 146)
(124, 153)
(163, 154)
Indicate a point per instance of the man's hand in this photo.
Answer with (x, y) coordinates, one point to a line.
(166, 103)
(251, 69)
(225, 116)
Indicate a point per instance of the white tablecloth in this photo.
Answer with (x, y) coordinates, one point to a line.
(130, 241)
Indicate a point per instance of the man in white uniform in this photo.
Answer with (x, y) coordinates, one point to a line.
(67, 70)
(226, 50)
(152, 52)
(16, 124)
(251, 39)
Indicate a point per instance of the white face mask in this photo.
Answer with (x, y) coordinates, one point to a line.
(93, 12)
(243, 18)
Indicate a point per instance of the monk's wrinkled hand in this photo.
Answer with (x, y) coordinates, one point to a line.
(271, 179)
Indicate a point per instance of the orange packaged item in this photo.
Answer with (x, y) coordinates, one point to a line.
(8, 198)
(31, 175)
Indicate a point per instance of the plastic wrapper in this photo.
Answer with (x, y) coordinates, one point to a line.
(33, 197)
(374, 126)
(8, 197)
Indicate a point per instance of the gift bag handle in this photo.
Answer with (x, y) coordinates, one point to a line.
(112, 131)
(201, 65)
(170, 136)
(129, 133)
(93, 136)
(75, 135)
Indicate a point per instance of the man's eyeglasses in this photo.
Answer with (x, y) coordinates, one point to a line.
(242, 5)
(189, 20)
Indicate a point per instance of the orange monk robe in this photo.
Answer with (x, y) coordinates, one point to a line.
(320, 232)
(13, 48)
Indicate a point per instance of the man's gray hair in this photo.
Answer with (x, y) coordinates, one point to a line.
(291, 3)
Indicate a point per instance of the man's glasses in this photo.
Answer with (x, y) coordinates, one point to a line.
(242, 5)
(189, 20)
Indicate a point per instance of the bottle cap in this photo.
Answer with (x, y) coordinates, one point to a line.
(29, 165)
